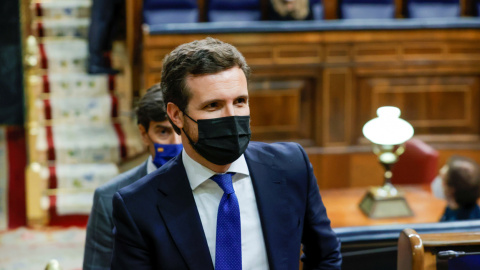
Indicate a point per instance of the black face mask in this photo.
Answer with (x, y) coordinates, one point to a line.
(222, 140)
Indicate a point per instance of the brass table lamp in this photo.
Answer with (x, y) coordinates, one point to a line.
(387, 132)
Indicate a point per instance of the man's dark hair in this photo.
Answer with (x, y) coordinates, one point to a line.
(206, 56)
(463, 176)
(151, 107)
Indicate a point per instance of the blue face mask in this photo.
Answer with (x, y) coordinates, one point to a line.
(165, 152)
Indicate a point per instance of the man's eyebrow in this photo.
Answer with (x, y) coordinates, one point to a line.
(161, 126)
(243, 96)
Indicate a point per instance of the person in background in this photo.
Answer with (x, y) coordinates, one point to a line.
(106, 18)
(459, 184)
(225, 202)
(163, 144)
(289, 10)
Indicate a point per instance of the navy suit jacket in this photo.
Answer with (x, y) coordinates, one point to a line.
(157, 225)
(99, 238)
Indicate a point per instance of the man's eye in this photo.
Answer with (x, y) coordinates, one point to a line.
(212, 105)
(163, 131)
(241, 100)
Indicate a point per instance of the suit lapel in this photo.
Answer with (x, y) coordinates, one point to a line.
(270, 187)
(179, 212)
(142, 170)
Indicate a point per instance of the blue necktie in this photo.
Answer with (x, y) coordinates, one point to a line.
(228, 253)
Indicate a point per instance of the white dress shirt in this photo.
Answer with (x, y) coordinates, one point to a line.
(207, 195)
(150, 166)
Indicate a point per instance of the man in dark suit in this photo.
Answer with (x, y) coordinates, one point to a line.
(163, 144)
(224, 203)
(105, 20)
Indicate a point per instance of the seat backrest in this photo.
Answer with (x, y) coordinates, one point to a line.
(478, 8)
(417, 165)
(410, 251)
(234, 10)
(429, 251)
(170, 11)
(317, 9)
(367, 9)
(433, 8)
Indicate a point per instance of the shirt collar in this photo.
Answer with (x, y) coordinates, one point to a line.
(150, 166)
(197, 173)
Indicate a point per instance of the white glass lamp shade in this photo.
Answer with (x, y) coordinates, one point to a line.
(388, 128)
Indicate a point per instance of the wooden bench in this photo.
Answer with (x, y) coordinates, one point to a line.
(420, 251)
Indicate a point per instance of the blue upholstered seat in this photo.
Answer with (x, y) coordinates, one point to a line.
(367, 9)
(317, 9)
(170, 11)
(478, 8)
(433, 8)
(234, 10)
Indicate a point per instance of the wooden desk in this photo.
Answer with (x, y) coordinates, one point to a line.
(343, 211)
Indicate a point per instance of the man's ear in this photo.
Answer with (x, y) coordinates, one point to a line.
(174, 113)
(144, 134)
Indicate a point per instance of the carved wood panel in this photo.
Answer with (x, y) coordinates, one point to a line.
(281, 110)
(433, 105)
(337, 106)
(376, 52)
(153, 59)
(257, 55)
(431, 75)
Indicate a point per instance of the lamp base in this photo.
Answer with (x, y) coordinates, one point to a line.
(376, 205)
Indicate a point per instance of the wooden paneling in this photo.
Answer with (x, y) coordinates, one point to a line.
(337, 106)
(432, 75)
(258, 55)
(338, 53)
(337, 169)
(365, 170)
(152, 77)
(330, 10)
(445, 154)
(170, 41)
(464, 51)
(154, 60)
(424, 50)
(330, 171)
(433, 105)
(133, 33)
(298, 54)
(381, 52)
(288, 115)
(285, 116)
